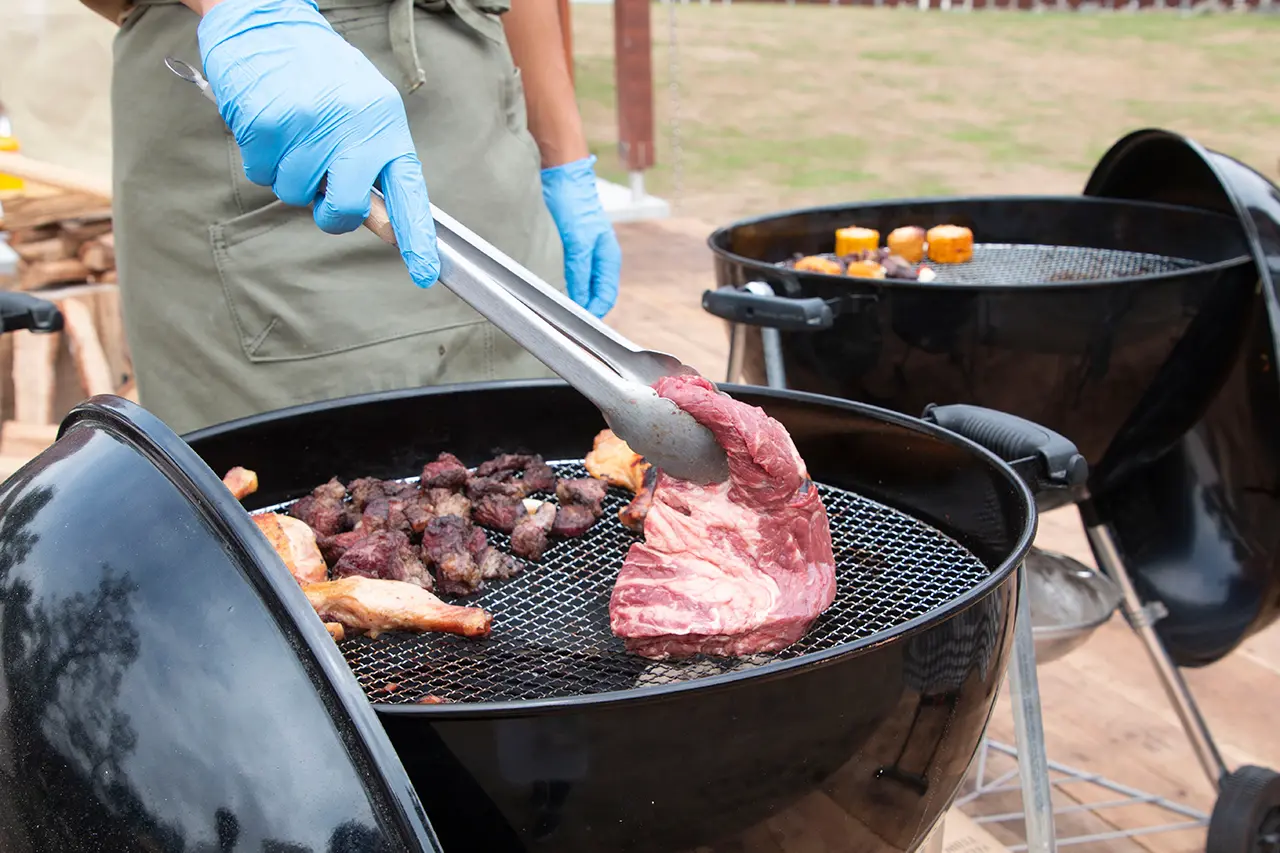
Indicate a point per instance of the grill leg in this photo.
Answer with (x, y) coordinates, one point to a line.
(737, 351)
(1028, 726)
(1143, 622)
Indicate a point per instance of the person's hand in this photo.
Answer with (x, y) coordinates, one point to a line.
(592, 257)
(305, 105)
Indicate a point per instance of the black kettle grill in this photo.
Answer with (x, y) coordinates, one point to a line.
(165, 686)
(1140, 320)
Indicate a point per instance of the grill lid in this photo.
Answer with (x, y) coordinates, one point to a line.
(159, 689)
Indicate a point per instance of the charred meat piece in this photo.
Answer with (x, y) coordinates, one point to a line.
(241, 481)
(324, 509)
(581, 505)
(371, 606)
(447, 472)
(383, 513)
(333, 547)
(529, 535)
(365, 490)
(385, 554)
(495, 503)
(632, 515)
(295, 542)
(536, 474)
(497, 565)
(449, 544)
(446, 502)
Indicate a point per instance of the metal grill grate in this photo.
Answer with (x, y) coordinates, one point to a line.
(551, 634)
(1004, 263)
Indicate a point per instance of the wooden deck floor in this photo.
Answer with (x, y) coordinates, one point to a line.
(1104, 709)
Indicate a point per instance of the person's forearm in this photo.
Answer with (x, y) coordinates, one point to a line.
(533, 31)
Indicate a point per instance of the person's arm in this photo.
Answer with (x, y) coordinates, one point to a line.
(533, 32)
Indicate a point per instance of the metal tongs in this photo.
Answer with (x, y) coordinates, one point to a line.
(609, 370)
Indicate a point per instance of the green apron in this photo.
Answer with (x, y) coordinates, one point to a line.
(235, 303)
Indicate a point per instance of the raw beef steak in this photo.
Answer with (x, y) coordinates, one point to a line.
(735, 568)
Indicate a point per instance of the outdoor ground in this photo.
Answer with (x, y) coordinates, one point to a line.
(782, 105)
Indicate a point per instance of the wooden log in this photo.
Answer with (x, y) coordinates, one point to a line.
(51, 249)
(86, 348)
(99, 253)
(76, 234)
(45, 273)
(36, 211)
(52, 175)
(108, 277)
(26, 440)
(34, 368)
(33, 235)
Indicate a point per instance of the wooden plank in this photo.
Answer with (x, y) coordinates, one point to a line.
(52, 175)
(34, 212)
(44, 273)
(20, 439)
(34, 358)
(86, 348)
(51, 249)
(98, 254)
(634, 72)
(960, 834)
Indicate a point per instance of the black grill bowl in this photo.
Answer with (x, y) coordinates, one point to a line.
(867, 740)
(1121, 331)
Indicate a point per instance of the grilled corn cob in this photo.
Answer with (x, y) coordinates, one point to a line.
(907, 243)
(854, 239)
(950, 244)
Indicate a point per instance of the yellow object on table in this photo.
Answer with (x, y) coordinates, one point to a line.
(10, 182)
(853, 239)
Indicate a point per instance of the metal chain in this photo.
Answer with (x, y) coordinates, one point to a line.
(673, 88)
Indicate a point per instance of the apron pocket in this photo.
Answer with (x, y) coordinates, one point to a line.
(295, 292)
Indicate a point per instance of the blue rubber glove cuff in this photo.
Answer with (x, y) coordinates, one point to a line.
(592, 256)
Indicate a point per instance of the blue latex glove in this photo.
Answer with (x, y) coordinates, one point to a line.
(592, 256)
(304, 104)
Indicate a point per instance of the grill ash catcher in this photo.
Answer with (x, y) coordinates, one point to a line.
(1139, 320)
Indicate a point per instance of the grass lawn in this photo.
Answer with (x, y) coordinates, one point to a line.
(784, 106)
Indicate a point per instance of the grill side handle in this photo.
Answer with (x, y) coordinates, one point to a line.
(1048, 461)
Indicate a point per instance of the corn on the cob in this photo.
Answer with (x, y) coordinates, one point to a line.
(950, 244)
(814, 263)
(865, 269)
(907, 243)
(855, 239)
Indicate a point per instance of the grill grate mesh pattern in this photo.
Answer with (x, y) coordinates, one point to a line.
(1025, 263)
(551, 634)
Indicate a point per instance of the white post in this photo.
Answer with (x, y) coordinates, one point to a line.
(637, 186)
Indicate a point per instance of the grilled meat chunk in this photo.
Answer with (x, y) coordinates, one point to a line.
(362, 604)
(241, 481)
(333, 547)
(495, 503)
(383, 513)
(450, 544)
(581, 505)
(529, 534)
(536, 474)
(446, 502)
(446, 472)
(295, 542)
(384, 554)
(497, 565)
(324, 510)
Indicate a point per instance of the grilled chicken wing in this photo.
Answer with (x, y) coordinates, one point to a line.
(373, 606)
(613, 461)
(295, 542)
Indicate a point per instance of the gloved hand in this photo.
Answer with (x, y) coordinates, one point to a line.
(304, 104)
(592, 256)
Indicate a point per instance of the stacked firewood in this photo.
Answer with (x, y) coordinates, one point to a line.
(60, 240)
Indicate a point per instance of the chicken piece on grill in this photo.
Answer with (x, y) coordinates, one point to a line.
(336, 631)
(450, 544)
(241, 481)
(633, 514)
(362, 604)
(387, 555)
(295, 543)
(613, 461)
(446, 472)
(495, 503)
(536, 474)
(529, 536)
(581, 505)
(324, 510)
